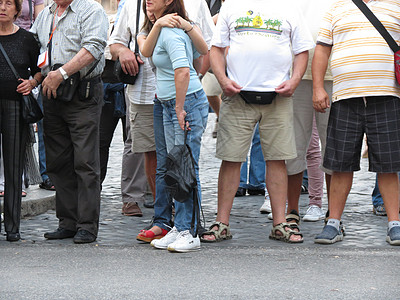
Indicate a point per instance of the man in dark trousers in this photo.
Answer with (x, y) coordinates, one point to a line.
(71, 129)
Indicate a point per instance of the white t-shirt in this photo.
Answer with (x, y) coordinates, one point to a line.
(263, 35)
(144, 89)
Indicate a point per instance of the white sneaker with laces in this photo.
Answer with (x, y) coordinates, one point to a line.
(266, 207)
(314, 213)
(169, 238)
(185, 242)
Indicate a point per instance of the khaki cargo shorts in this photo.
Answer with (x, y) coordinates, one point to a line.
(237, 120)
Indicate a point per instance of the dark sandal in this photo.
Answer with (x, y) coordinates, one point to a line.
(217, 233)
(286, 233)
(293, 216)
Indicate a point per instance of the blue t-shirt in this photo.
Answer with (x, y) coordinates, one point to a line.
(174, 49)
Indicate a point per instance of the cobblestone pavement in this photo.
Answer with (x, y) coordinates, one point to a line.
(249, 227)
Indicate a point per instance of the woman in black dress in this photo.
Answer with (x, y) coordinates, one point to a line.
(23, 50)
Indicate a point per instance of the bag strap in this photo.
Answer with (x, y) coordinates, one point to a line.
(31, 12)
(377, 24)
(9, 62)
(137, 26)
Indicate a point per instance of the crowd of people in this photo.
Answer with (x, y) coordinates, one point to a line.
(298, 82)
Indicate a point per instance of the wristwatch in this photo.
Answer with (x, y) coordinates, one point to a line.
(63, 73)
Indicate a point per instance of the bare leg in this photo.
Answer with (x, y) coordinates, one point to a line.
(340, 186)
(228, 183)
(389, 188)
(294, 190)
(215, 103)
(328, 184)
(277, 185)
(277, 182)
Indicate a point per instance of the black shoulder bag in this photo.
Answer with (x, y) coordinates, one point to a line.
(118, 72)
(31, 112)
(181, 179)
(67, 88)
(384, 33)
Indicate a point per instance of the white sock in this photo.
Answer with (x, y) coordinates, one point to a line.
(393, 224)
(334, 222)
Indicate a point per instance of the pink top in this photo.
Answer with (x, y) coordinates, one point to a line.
(24, 20)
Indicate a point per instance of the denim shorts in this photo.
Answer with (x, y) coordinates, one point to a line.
(379, 118)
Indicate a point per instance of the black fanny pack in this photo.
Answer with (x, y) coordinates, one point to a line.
(251, 97)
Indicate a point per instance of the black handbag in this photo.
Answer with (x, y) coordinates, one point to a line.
(251, 97)
(181, 179)
(31, 111)
(118, 72)
(181, 176)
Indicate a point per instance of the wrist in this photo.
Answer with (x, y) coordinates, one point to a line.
(33, 82)
(189, 28)
(63, 73)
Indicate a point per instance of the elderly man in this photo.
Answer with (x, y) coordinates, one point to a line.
(262, 37)
(365, 100)
(74, 34)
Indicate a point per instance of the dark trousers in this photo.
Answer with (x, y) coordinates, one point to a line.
(13, 136)
(108, 123)
(71, 137)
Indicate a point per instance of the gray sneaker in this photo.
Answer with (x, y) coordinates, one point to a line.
(329, 235)
(393, 236)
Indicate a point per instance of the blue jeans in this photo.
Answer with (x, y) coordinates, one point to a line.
(163, 202)
(41, 151)
(196, 107)
(256, 177)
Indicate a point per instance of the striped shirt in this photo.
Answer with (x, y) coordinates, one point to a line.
(144, 89)
(83, 24)
(362, 62)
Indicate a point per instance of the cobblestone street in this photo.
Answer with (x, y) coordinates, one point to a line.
(249, 227)
(250, 266)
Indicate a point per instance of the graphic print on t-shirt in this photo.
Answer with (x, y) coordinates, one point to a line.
(253, 23)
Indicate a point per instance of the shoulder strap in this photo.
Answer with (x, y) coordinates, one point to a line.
(31, 11)
(137, 25)
(9, 62)
(377, 24)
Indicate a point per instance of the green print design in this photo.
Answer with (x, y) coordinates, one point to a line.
(258, 24)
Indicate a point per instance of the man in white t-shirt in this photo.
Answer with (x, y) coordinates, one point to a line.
(262, 36)
(365, 100)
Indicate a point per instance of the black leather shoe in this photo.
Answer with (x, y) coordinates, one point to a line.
(83, 236)
(47, 185)
(240, 192)
(256, 192)
(60, 234)
(13, 237)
